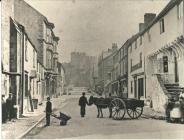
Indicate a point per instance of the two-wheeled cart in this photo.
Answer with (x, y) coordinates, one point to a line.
(119, 106)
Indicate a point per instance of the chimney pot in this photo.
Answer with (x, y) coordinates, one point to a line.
(148, 18)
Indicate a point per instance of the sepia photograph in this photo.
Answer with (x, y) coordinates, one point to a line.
(92, 69)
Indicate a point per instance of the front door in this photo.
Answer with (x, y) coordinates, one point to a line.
(140, 87)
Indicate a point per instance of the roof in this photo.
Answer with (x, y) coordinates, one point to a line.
(24, 30)
(167, 8)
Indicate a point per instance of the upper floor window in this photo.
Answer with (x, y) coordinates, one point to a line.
(141, 56)
(135, 44)
(140, 40)
(149, 36)
(49, 59)
(130, 48)
(180, 10)
(26, 57)
(162, 27)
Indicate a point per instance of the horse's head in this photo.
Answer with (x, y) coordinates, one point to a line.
(91, 101)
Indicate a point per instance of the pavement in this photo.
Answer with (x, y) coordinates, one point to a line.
(99, 128)
(150, 113)
(19, 127)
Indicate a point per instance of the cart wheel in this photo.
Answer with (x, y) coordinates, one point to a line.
(118, 108)
(135, 112)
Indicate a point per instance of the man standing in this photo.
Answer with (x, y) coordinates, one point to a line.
(9, 106)
(3, 109)
(48, 111)
(82, 103)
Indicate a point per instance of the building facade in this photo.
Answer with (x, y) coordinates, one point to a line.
(61, 85)
(29, 55)
(105, 65)
(155, 76)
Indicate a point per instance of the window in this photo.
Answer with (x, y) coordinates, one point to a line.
(149, 36)
(49, 59)
(48, 38)
(162, 28)
(131, 87)
(26, 49)
(165, 63)
(141, 57)
(131, 65)
(180, 10)
(135, 44)
(140, 40)
(34, 58)
(130, 48)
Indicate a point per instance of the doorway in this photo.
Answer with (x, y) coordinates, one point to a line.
(140, 87)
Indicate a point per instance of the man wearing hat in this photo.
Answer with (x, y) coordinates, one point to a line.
(48, 111)
(82, 103)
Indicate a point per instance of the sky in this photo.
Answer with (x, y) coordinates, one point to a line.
(92, 26)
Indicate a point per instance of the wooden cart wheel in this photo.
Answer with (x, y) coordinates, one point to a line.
(118, 108)
(135, 112)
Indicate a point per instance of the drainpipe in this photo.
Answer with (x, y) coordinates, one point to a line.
(183, 18)
(22, 71)
(145, 79)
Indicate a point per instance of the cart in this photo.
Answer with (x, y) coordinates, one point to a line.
(119, 106)
(62, 117)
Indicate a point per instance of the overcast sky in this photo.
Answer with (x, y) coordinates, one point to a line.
(93, 25)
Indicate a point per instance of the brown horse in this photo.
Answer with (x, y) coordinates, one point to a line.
(101, 103)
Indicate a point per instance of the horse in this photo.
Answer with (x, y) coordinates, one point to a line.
(101, 103)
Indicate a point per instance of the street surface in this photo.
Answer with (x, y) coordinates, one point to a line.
(92, 127)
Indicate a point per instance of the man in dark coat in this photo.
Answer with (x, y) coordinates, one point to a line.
(3, 109)
(48, 111)
(9, 107)
(82, 103)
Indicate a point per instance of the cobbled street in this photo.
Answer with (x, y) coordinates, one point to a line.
(92, 127)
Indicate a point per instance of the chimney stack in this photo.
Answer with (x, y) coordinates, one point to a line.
(148, 18)
(114, 47)
(141, 27)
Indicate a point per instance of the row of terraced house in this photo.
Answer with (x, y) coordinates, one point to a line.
(30, 67)
(150, 64)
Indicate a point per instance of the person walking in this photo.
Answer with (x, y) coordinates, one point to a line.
(82, 103)
(9, 107)
(3, 109)
(48, 111)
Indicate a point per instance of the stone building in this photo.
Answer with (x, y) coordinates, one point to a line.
(105, 65)
(123, 77)
(20, 33)
(115, 74)
(159, 45)
(79, 70)
(61, 85)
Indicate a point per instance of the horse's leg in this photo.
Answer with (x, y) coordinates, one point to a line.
(101, 112)
(98, 112)
(110, 112)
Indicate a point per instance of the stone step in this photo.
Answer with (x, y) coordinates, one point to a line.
(174, 90)
(172, 87)
(173, 84)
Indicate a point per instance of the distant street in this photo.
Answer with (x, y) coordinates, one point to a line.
(92, 127)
